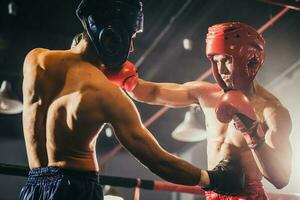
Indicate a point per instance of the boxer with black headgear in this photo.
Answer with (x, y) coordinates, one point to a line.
(68, 100)
(110, 26)
(247, 127)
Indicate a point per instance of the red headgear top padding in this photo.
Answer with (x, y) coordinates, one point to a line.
(245, 46)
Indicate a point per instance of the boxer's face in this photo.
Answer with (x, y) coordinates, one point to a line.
(225, 68)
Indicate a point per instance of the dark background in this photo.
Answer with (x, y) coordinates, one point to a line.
(159, 54)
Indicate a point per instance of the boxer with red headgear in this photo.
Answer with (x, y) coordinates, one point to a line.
(247, 127)
(243, 45)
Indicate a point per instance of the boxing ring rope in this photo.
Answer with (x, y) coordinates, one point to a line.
(273, 20)
(205, 75)
(295, 5)
(17, 170)
(137, 183)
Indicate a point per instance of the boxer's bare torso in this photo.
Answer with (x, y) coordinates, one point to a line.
(61, 114)
(223, 140)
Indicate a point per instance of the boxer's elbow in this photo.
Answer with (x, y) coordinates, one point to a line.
(281, 184)
(284, 178)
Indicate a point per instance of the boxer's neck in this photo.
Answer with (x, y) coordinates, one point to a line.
(250, 90)
(87, 52)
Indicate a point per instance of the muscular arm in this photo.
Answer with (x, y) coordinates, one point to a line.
(274, 156)
(172, 94)
(122, 114)
(34, 112)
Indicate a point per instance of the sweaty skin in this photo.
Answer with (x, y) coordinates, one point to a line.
(67, 100)
(272, 159)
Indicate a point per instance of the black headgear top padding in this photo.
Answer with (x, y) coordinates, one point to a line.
(110, 25)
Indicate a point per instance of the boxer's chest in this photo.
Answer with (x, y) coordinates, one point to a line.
(226, 133)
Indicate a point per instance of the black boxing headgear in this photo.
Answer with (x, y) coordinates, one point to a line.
(111, 25)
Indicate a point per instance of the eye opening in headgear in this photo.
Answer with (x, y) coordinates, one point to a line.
(252, 62)
(111, 41)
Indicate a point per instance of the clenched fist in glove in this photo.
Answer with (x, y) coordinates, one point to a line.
(234, 105)
(125, 77)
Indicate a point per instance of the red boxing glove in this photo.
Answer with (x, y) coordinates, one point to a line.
(235, 105)
(126, 77)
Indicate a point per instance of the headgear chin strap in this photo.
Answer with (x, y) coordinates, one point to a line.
(111, 25)
(245, 46)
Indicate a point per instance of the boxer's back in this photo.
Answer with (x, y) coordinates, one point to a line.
(61, 119)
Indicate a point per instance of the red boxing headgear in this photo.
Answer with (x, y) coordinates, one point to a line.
(245, 46)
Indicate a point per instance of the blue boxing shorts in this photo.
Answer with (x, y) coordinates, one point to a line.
(54, 183)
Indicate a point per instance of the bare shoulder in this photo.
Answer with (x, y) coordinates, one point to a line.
(277, 116)
(271, 103)
(111, 96)
(33, 57)
(43, 73)
(36, 52)
(113, 103)
(32, 65)
(31, 76)
(46, 59)
(207, 93)
(275, 113)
